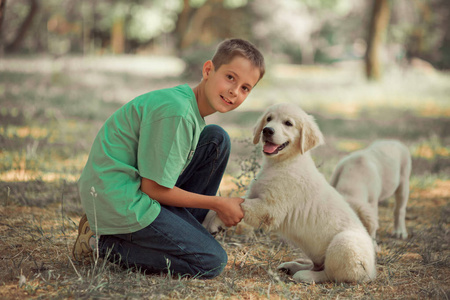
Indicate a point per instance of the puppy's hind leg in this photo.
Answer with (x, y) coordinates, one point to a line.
(311, 276)
(350, 257)
(402, 195)
(293, 267)
(401, 199)
(304, 270)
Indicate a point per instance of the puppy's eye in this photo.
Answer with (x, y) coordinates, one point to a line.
(288, 123)
(269, 118)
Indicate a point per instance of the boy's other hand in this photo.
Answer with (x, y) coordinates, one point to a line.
(230, 210)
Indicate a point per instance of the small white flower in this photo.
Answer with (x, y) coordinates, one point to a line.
(22, 281)
(93, 193)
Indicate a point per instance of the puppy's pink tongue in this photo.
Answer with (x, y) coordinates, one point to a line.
(270, 148)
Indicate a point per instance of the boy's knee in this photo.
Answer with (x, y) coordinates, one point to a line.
(214, 264)
(217, 133)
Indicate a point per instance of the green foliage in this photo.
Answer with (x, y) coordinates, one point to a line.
(323, 31)
(151, 21)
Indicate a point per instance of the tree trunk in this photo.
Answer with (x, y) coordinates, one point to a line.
(195, 25)
(183, 20)
(377, 30)
(118, 36)
(191, 21)
(2, 16)
(26, 25)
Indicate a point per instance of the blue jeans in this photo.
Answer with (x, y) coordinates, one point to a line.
(176, 241)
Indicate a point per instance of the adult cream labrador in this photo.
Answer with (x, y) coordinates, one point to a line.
(291, 196)
(368, 176)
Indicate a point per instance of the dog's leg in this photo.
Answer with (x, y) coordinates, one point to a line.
(350, 257)
(213, 223)
(310, 276)
(367, 212)
(401, 199)
(372, 221)
(258, 214)
(293, 267)
(374, 225)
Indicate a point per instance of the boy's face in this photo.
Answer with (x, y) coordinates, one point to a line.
(227, 87)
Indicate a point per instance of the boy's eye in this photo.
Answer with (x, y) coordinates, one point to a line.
(246, 89)
(230, 77)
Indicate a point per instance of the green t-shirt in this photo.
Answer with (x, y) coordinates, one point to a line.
(153, 136)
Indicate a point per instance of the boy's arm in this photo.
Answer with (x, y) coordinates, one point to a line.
(228, 209)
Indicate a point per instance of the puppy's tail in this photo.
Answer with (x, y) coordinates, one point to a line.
(335, 177)
(367, 216)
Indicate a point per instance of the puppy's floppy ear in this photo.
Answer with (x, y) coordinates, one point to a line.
(310, 135)
(258, 128)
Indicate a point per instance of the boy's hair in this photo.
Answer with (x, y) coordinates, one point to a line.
(229, 49)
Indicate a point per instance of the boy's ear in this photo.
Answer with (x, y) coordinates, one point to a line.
(207, 68)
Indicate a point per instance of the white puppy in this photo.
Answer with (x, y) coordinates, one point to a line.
(291, 196)
(371, 175)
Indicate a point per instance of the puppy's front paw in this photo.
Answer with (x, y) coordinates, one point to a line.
(401, 234)
(217, 229)
(213, 224)
(293, 267)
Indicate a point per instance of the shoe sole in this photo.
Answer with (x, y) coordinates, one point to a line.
(81, 249)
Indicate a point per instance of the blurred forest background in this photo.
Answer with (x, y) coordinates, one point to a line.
(289, 31)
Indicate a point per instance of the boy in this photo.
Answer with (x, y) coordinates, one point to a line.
(155, 167)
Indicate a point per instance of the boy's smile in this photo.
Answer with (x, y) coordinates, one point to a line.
(226, 100)
(226, 88)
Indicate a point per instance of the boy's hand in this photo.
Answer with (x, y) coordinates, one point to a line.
(230, 211)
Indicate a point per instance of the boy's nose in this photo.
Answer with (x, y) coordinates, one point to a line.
(233, 91)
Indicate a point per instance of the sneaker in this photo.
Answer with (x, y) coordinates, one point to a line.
(86, 241)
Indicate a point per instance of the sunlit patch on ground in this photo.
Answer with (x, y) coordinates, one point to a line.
(350, 110)
(439, 189)
(26, 165)
(431, 109)
(22, 175)
(428, 151)
(24, 132)
(349, 145)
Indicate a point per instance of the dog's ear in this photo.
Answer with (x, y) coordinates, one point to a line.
(310, 135)
(258, 128)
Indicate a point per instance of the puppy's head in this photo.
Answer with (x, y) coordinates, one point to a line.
(285, 130)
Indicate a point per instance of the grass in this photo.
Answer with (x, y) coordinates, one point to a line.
(50, 113)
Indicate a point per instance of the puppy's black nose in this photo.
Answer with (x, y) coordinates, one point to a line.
(268, 131)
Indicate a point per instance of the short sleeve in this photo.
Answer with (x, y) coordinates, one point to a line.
(164, 148)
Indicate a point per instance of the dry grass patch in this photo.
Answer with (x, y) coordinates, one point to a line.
(36, 252)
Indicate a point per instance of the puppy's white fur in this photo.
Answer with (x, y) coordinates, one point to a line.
(291, 196)
(371, 175)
